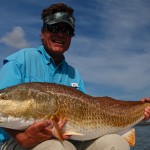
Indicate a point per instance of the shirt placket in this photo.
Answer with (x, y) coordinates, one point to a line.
(55, 74)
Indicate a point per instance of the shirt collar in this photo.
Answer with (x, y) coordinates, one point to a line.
(48, 59)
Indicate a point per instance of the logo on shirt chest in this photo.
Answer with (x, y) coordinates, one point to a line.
(75, 85)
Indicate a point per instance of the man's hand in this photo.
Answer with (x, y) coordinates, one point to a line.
(147, 109)
(37, 133)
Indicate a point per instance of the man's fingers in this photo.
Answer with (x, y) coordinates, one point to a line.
(37, 127)
(147, 113)
(147, 110)
(146, 99)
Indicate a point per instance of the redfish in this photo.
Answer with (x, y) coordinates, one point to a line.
(88, 117)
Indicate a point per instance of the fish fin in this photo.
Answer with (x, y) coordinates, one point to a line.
(56, 130)
(47, 116)
(130, 137)
(73, 133)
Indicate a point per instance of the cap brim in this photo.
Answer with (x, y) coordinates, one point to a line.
(60, 17)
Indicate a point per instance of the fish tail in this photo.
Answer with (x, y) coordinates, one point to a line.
(130, 137)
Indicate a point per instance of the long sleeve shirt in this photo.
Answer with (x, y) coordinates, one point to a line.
(35, 65)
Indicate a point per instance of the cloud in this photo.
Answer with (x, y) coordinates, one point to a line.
(111, 47)
(115, 51)
(103, 63)
(15, 38)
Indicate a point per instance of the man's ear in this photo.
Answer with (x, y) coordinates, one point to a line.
(42, 35)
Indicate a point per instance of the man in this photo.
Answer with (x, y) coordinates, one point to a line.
(47, 64)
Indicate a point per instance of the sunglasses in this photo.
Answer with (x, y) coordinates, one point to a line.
(67, 30)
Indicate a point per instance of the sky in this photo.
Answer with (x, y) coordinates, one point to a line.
(111, 47)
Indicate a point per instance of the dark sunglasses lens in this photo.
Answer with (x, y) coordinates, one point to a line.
(52, 29)
(67, 30)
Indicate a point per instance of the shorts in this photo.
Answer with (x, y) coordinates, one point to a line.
(107, 142)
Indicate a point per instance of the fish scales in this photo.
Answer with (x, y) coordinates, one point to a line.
(90, 116)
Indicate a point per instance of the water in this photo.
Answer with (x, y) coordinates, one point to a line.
(142, 138)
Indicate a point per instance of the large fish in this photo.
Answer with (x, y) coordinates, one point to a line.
(87, 117)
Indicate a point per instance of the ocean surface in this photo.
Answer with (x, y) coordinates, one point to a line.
(142, 138)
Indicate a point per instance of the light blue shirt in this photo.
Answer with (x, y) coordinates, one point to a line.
(35, 65)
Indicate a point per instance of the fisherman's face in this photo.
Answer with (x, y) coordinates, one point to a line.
(57, 38)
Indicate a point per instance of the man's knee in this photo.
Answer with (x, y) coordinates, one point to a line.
(109, 142)
(55, 144)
